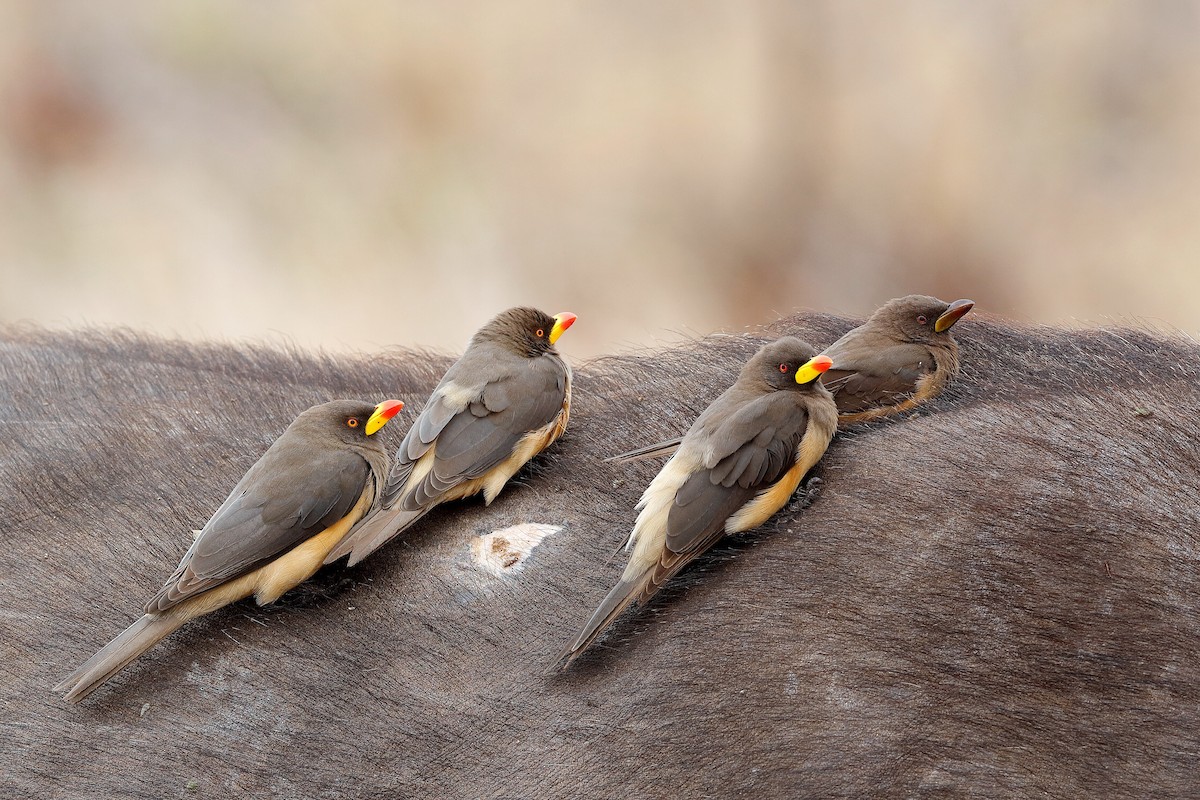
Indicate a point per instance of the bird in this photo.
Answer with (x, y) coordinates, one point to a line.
(307, 491)
(901, 357)
(504, 401)
(736, 466)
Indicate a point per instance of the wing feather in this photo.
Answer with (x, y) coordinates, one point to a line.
(766, 432)
(882, 379)
(525, 396)
(268, 513)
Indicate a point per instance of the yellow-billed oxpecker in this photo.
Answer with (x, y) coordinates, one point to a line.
(901, 357)
(308, 490)
(738, 464)
(504, 401)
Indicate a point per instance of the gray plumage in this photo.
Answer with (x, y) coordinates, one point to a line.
(507, 398)
(737, 465)
(320, 476)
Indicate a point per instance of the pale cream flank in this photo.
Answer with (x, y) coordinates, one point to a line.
(812, 446)
(270, 581)
(301, 562)
(421, 468)
(494, 479)
(650, 529)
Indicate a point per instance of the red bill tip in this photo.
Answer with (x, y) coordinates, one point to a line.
(390, 408)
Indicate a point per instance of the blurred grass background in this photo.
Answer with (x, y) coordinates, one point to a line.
(358, 175)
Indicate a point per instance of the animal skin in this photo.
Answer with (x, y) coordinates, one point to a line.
(994, 597)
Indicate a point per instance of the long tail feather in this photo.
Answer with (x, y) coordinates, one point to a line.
(656, 450)
(640, 588)
(117, 654)
(615, 602)
(373, 532)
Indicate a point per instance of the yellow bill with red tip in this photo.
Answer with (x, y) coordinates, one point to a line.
(561, 323)
(383, 412)
(813, 369)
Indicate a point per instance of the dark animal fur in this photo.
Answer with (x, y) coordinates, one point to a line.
(996, 597)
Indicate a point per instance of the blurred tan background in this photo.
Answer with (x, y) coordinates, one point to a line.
(354, 175)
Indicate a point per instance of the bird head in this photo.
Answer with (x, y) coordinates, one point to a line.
(526, 331)
(919, 318)
(789, 363)
(349, 421)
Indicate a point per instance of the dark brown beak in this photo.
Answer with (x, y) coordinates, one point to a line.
(953, 314)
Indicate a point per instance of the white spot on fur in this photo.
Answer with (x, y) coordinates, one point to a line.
(503, 551)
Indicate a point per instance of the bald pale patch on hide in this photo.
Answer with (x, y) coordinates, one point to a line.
(505, 550)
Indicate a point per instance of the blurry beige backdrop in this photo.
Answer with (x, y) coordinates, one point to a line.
(354, 175)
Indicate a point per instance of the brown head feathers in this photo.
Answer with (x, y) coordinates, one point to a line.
(776, 364)
(525, 331)
(915, 318)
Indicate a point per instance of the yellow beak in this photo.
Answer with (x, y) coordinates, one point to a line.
(813, 369)
(561, 323)
(383, 412)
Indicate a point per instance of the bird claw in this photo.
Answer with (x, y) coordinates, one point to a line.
(806, 494)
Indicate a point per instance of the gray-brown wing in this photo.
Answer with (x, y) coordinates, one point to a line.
(291, 494)
(752, 449)
(528, 398)
(420, 437)
(876, 378)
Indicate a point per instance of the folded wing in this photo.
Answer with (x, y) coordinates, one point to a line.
(268, 513)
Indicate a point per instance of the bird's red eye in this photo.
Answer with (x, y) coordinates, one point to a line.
(540, 333)
(352, 422)
(783, 367)
(922, 319)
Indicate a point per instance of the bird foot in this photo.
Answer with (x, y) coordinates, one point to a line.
(806, 494)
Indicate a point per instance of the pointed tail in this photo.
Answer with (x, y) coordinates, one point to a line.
(373, 532)
(640, 587)
(656, 450)
(117, 654)
(616, 601)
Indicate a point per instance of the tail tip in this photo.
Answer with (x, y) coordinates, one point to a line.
(563, 661)
(71, 692)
